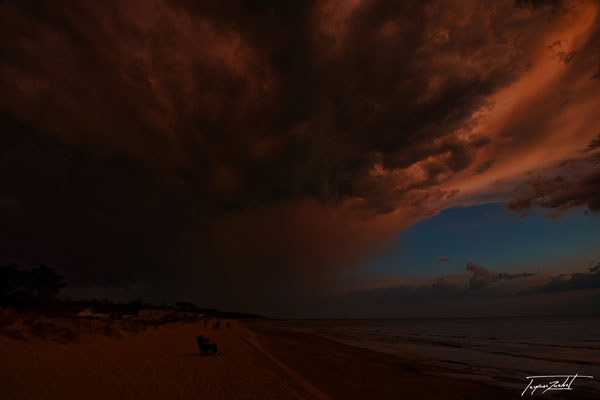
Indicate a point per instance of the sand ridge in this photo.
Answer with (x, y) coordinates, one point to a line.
(250, 336)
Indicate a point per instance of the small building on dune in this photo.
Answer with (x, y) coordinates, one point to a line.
(86, 313)
(90, 313)
(165, 314)
(152, 314)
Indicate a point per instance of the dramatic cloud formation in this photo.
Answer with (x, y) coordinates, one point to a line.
(238, 153)
(481, 282)
(481, 277)
(570, 282)
(486, 287)
(577, 185)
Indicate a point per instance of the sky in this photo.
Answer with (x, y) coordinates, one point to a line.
(446, 242)
(336, 158)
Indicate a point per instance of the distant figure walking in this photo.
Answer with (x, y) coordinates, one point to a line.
(205, 321)
(217, 325)
(227, 325)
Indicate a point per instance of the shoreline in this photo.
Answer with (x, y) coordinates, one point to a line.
(497, 356)
(342, 371)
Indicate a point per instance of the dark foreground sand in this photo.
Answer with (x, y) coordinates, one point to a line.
(255, 362)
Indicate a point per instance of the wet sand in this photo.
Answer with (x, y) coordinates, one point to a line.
(346, 372)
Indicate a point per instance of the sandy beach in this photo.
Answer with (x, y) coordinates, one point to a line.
(161, 363)
(254, 362)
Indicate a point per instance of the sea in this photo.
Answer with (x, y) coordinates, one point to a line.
(498, 351)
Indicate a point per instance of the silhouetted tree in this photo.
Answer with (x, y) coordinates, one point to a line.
(11, 283)
(185, 306)
(45, 283)
(135, 305)
(25, 288)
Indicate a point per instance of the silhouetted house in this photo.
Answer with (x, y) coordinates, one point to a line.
(90, 313)
(181, 314)
(116, 316)
(152, 314)
(86, 313)
(166, 314)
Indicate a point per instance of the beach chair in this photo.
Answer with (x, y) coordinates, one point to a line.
(205, 345)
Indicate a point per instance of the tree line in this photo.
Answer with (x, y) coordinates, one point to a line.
(38, 289)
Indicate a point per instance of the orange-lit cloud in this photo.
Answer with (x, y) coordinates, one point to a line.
(542, 119)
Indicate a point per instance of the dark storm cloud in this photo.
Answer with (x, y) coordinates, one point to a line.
(569, 282)
(481, 283)
(538, 3)
(594, 144)
(578, 185)
(218, 95)
(234, 149)
(483, 288)
(481, 277)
